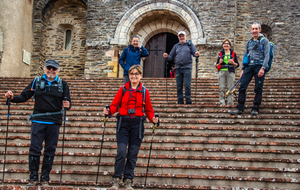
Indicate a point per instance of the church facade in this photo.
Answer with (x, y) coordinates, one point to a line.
(88, 36)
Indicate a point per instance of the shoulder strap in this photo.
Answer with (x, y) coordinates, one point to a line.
(35, 85)
(60, 85)
(144, 95)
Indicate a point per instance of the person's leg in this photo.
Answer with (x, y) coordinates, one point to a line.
(230, 83)
(133, 150)
(246, 79)
(51, 140)
(187, 84)
(126, 79)
(36, 145)
(259, 82)
(122, 141)
(222, 82)
(179, 84)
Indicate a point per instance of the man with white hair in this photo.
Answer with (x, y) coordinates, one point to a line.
(181, 54)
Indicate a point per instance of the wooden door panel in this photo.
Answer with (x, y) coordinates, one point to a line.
(154, 65)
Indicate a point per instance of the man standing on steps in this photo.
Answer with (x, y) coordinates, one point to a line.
(51, 95)
(258, 58)
(182, 53)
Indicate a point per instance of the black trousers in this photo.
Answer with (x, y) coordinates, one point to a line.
(251, 71)
(39, 133)
(128, 135)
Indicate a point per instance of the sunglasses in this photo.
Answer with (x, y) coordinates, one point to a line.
(50, 67)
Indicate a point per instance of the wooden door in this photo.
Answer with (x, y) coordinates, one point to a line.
(154, 65)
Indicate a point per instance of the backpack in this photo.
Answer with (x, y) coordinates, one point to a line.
(40, 83)
(221, 55)
(272, 51)
(143, 93)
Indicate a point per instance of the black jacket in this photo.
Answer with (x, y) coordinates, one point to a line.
(46, 101)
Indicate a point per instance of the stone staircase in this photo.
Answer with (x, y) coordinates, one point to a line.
(199, 146)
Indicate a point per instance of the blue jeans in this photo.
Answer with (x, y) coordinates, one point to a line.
(249, 72)
(183, 75)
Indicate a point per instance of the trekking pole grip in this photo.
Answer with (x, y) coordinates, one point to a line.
(107, 107)
(156, 115)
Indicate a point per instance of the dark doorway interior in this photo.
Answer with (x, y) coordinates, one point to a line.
(154, 65)
(171, 41)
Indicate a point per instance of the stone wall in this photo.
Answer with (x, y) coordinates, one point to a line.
(219, 20)
(283, 17)
(16, 35)
(42, 11)
(71, 16)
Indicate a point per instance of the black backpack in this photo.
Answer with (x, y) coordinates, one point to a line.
(40, 83)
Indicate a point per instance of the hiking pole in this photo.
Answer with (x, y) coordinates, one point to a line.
(156, 115)
(63, 144)
(196, 77)
(107, 107)
(166, 61)
(8, 110)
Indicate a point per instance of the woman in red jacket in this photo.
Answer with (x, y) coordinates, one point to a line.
(134, 102)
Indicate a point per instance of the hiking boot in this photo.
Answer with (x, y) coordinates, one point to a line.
(254, 113)
(237, 112)
(188, 101)
(32, 183)
(116, 183)
(45, 184)
(128, 183)
(180, 101)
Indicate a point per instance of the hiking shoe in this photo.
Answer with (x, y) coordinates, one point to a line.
(128, 183)
(188, 101)
(32, 183)
(237, 112)
(45, 184)
(254, 113)
(116, 183)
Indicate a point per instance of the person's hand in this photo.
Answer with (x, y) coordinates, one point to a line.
(140, 47)
(165, 55)
(9, 94)
(155, 120)
(220, 60)
(261, 72)
(241, 73)
(106, 111)
(197, 54)
(66, 104)
(230, 61)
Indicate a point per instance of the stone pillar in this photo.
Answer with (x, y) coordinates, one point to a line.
(114, 63)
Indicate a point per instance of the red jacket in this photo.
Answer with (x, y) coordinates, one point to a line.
(130, 102)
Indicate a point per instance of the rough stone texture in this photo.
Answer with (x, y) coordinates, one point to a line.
(110, 24)
(68, 16)
(16, 32)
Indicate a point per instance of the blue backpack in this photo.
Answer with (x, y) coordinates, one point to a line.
(272, 51)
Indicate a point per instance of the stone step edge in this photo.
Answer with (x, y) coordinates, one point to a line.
(179, 157)
(180, 166)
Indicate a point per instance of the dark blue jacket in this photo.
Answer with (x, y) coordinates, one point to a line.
(132, 56)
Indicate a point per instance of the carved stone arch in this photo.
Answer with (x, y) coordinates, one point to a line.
(134, 15)
(159, 26)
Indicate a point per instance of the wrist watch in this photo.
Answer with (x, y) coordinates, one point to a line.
(264, 68)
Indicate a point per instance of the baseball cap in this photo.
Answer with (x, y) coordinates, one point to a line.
(52, 62)
(181, 32)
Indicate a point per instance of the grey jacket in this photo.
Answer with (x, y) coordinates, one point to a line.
(182, 55)
(256, 56)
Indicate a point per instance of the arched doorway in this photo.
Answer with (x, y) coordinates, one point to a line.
(154, 65)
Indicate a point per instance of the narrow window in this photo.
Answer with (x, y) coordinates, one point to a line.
(68, 40)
